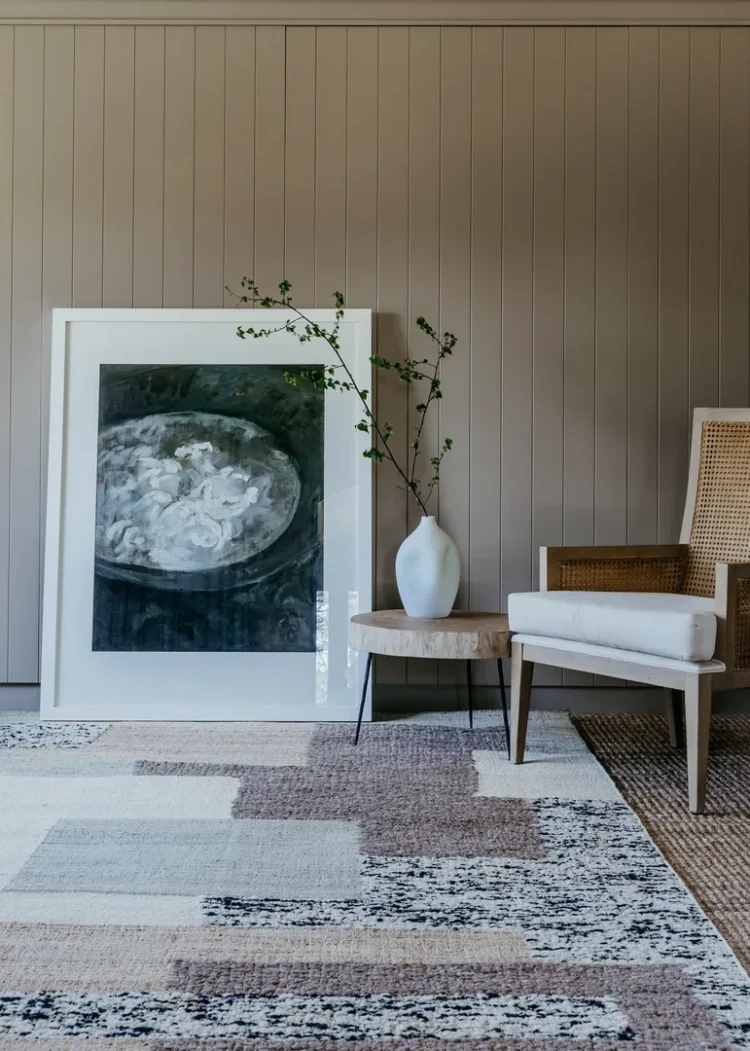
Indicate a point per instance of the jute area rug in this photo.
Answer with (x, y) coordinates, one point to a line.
(249, 887)
(712, 852)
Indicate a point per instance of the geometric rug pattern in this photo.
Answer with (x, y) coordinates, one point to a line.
(248, 887)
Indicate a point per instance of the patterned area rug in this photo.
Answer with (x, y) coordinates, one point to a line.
(235, 887)
(712, 852)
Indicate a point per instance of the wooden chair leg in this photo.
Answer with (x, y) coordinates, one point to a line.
(520, 698)
(697, 726)
(674, 706)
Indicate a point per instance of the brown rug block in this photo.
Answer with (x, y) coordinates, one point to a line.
(104, 958)
(711, 852)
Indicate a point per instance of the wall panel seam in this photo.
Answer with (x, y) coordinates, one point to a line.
(163, 159)
(11, 249)
(471, 314)
(42, 475)
(596, 276)
(658, 282)
(720, 183)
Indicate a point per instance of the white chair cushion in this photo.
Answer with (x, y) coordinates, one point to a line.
(681, 627)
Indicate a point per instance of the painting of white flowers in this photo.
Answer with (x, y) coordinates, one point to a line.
(209, 487)
(209, 519)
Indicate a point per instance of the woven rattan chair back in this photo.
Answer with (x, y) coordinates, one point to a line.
(717, 515)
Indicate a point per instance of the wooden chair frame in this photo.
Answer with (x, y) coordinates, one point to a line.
(657, 567)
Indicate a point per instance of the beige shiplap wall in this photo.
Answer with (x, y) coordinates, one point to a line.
(572, 203)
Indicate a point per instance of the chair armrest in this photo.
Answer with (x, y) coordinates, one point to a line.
(655, 567)
(733, 614)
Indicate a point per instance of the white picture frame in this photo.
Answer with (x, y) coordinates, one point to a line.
(79, 683)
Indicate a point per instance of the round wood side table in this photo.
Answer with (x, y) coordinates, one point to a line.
(466, 636)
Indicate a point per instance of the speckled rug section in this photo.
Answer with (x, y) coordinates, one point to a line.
(711, 852)
(233, 887)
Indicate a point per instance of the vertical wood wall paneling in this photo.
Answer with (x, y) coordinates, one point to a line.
(734, 223)
(643, 286)
(26, 373)
(704, 217)
(580, 285)
(610, 430)
(455, 302)
(117, 225)
(300, 163)
(179, 165)
(208, 248)
(148, 167)
(57, 217)
(424, 257)
(548, 319)
(392, 306)
(577, 214)
(361, 166)
(579, 295)
(517, 309)
(88, 166)
(674, 246)
(6, 290)
(270, 168)
(239, 158)
(330, 164)
(486, 349)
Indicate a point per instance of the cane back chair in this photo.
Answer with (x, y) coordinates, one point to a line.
(712, 561)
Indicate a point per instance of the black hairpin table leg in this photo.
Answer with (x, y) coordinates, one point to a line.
(368, 665)
(471, 695)
(504, 702)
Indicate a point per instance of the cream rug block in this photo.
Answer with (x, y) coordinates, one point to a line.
(558, 765)
(544, 777)
(116, 797)
(246, 744)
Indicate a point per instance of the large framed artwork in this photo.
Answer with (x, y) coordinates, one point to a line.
(208, 523)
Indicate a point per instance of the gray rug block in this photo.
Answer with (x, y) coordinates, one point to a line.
(300, 860)
(61, 762)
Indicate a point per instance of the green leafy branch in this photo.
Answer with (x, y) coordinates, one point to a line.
(339, 377)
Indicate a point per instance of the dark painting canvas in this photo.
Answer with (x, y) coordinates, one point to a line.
(209, 488)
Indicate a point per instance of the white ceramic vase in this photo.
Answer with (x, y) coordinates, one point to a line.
(428, 571)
